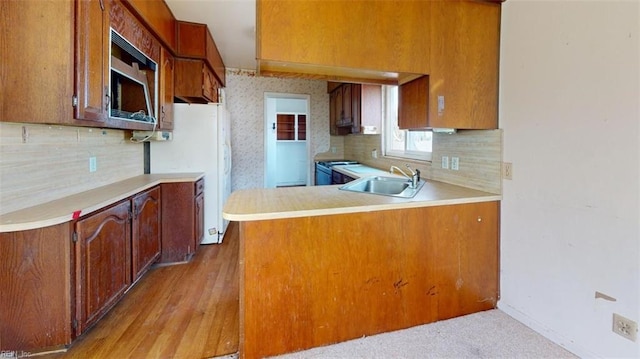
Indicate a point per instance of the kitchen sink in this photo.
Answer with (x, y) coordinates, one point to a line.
(386, 186)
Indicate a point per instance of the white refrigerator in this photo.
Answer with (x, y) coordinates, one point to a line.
(201, 143)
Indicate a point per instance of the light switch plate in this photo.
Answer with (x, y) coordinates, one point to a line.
(445, 162)
(455, 163)
(93, 164)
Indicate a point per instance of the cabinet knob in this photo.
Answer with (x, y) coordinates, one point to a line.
(479, 219)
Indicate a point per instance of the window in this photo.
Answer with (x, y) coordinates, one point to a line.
(414, 145)
(291, 127)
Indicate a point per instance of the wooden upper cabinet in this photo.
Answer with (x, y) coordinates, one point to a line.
(464, 64)
(353, 106)
(348, 40)
(413, 103)
(37, 64)
(194, 82)
(167, 69)
(92, 65)
(158, 18)
(195, 42)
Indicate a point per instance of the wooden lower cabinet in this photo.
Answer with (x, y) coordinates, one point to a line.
(145, 241)
(199, 217)
(182, 220)
(58, 281)
(314, 281)
(103, 265)
(36, 291)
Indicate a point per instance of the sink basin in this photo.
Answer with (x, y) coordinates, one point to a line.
(386, 186)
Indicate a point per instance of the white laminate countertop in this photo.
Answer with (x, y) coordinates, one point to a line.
(71, 207)
(360, 170)
(292, 202)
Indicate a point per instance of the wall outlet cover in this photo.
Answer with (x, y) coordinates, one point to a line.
(625, 327)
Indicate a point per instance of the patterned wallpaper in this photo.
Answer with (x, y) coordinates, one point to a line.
(245, 101)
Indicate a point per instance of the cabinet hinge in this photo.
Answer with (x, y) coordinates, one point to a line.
(74, 324)
(74, 238)
(74, 101)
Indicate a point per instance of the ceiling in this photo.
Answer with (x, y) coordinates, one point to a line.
(232, 24)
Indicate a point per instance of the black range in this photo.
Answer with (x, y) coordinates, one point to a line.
(323, 170)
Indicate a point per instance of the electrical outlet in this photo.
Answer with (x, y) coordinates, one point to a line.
(507, 170)
(93, 164)
(334, 149)
(455, 163)
(625, 327)
(374, 153)
(445, 162)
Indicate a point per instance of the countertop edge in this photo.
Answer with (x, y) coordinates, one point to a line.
(356, 209)
(9, 223)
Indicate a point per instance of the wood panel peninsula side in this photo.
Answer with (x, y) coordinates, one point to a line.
(320, 266)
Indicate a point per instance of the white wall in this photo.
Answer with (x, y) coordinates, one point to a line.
(569, 107)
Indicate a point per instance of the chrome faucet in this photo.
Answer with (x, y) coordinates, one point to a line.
(414, 178)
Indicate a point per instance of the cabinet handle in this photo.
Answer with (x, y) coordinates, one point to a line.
(102, 5)
(162, 111)
(106, 94)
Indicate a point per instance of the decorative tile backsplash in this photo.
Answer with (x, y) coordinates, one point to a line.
(245, 101)
(41, 163)
(479, 153)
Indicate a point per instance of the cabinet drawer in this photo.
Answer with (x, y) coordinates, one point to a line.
(199, 187)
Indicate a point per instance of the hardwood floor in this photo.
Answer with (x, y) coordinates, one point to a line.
(180, 311)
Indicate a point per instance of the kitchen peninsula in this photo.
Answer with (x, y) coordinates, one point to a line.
(319, 265)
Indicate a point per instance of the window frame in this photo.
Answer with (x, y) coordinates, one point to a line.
(387, 128)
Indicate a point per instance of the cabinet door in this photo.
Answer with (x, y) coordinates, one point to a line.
(356, 107)
(145, 242)
(370, 107)
(178, 222)
(466, 257)
(165, 117)
(413, 102)
(194, 82)
(464, 64)
(103, 267)
(209, 85)
(347, 113)
(37, 64)
(339, 105)
(92, 50)
(333, 114)
(199, 223)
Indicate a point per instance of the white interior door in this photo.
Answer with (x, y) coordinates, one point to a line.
(286, 161)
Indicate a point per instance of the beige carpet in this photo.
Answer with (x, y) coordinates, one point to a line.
(490, 334)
